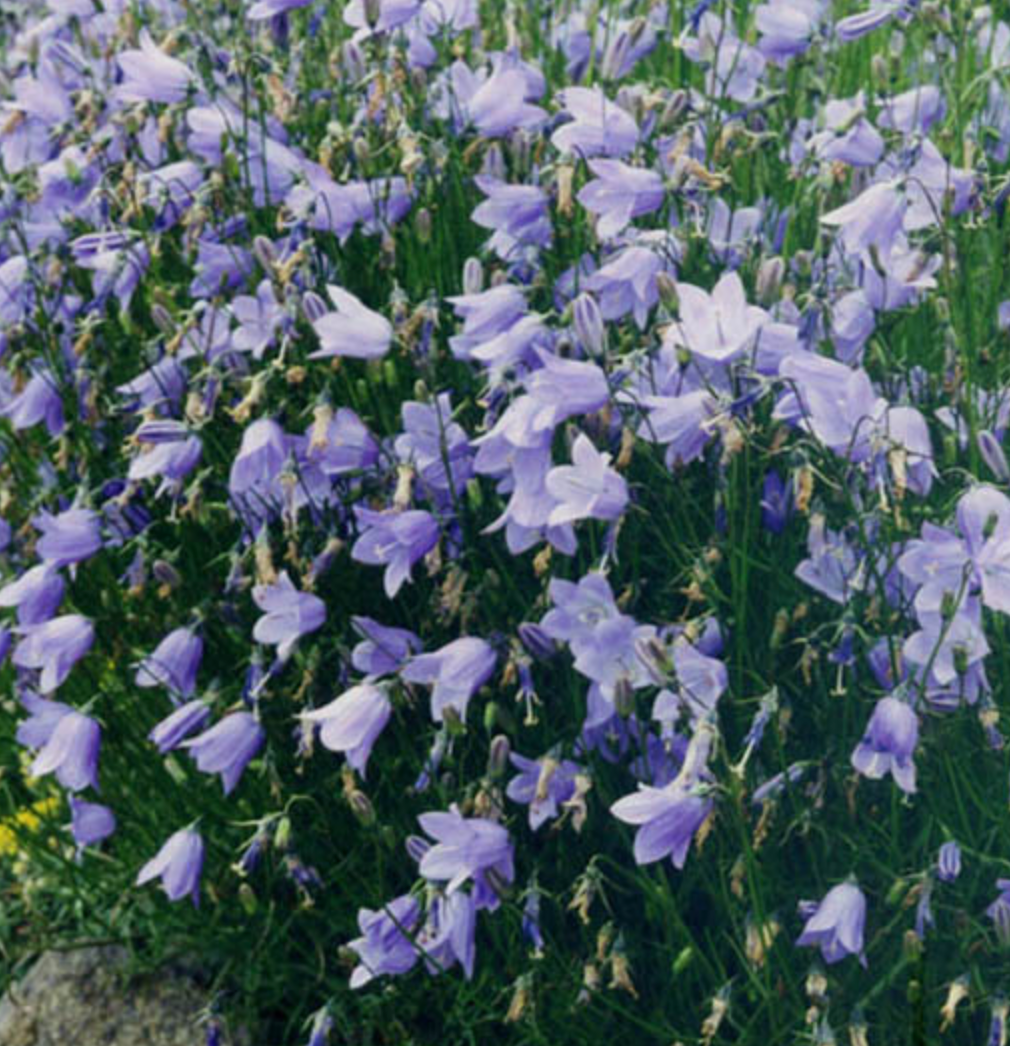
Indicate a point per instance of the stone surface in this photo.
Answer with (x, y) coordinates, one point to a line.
(86, 998)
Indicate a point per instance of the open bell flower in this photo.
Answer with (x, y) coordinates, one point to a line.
(90, 822)
(54, 647)
(71, 752)
(178, 865)
(588, 488)
(352, 330)
(888, 744)
(836, 925)
(666, 818)
(352, 722)
(467, 848)
(173, 663)
(289, 614)
(227, 747)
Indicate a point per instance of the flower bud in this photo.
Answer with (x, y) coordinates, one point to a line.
(313, 306)
(247, 898)
(673, 109)
(163, 319)
(624, 697)
(498, 756)
(667, 287)
(282, 834)
(264, 252)
(684, 959)
(589, 325)
(353, 60)
(769, 279)
(494, 162)
(956, 994)
(362, 808)
(879, 69)
(615, 56)
(653, 655)
(992, 454)
(473, 276)
(165, 573)
(537, 641)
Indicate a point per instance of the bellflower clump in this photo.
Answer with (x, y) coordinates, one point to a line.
(578, 426)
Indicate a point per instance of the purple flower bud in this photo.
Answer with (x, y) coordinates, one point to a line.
(417, 847)
(531, 920)
(948, 864)
(537, 641)
(353, 60)
(322, 1025)
(776, 502)
(302, 874)
(165, 573)
(992, 454)
(313, 306)
(999, 912)
(163, 431)
(473, 276)
(589, 325)
(498, 755)
(855, 26)
(179, 725)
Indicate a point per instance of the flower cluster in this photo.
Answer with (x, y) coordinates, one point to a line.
(424, 421)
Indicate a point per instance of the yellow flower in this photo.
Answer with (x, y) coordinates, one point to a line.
(8, 842)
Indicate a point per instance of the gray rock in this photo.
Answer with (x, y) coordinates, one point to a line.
(87, 997)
